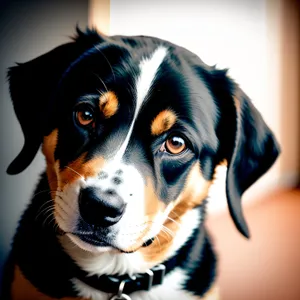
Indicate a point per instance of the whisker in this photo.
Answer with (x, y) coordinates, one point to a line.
(107, 61)
(178, 224)
(44, 191)
(75, 172)
(45, 211)
(167, 230)
(60, 206)
(173, 212)
(101, 82)
(55, 226)
(59, 215)
(56, 180)
(157, 238)
(47, 218)
(67, 204)
(46, 203)
(166, 236)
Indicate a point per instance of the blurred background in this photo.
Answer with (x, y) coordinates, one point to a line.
(259, 41)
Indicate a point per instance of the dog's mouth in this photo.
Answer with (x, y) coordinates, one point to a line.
(94, 240)
(89, 241)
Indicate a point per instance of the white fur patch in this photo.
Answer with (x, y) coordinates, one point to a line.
(109, 262)
(148, 68)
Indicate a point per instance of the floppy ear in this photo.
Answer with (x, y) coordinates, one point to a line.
(254, 151)
(32, 85)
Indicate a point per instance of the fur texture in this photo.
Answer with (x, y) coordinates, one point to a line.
(132, 129)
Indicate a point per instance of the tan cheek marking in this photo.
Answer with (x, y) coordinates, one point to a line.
(194, 193)
(22, 289)
(76, 169)
(49, 145)
(152, 206)
(48, 149)
(80, 168)
(108, 104)
(152, 203)
(163, 122)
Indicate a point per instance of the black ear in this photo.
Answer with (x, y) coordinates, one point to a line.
(254, 151)
(32, 85)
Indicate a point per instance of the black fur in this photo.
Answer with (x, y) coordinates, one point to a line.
(46, 90)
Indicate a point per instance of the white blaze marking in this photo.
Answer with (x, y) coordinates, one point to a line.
(149, 68)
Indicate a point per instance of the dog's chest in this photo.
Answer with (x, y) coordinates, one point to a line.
(170, 289)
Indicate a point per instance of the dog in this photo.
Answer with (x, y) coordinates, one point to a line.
(132, 130)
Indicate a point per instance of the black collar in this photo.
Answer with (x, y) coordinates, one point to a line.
(126, 284)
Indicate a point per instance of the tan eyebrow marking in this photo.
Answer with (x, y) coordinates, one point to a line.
(163, 122)
(108, 104)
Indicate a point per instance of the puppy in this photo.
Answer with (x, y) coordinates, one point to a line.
(132, 130)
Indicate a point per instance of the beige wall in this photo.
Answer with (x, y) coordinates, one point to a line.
(99, 15)
(290, 92)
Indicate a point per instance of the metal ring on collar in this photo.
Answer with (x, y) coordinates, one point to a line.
(120, 295)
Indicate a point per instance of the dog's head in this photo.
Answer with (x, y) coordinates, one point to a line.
(132, 129)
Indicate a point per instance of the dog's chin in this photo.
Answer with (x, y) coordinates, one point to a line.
(84, 245)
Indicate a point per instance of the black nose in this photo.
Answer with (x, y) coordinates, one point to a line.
(102, 208)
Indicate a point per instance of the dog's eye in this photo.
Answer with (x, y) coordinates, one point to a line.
(85, 116)
(175, 144)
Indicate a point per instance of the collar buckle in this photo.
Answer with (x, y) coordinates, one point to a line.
(120, 295)
(116, 284)
(150, 279)
(153, 276)
(159, 271)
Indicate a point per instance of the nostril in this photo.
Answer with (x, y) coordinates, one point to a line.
(110, 192)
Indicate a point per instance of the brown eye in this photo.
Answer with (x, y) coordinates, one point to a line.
(175, 144)
(85, 116)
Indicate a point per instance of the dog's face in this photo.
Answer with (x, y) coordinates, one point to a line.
(132, 130)
(126, 148)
